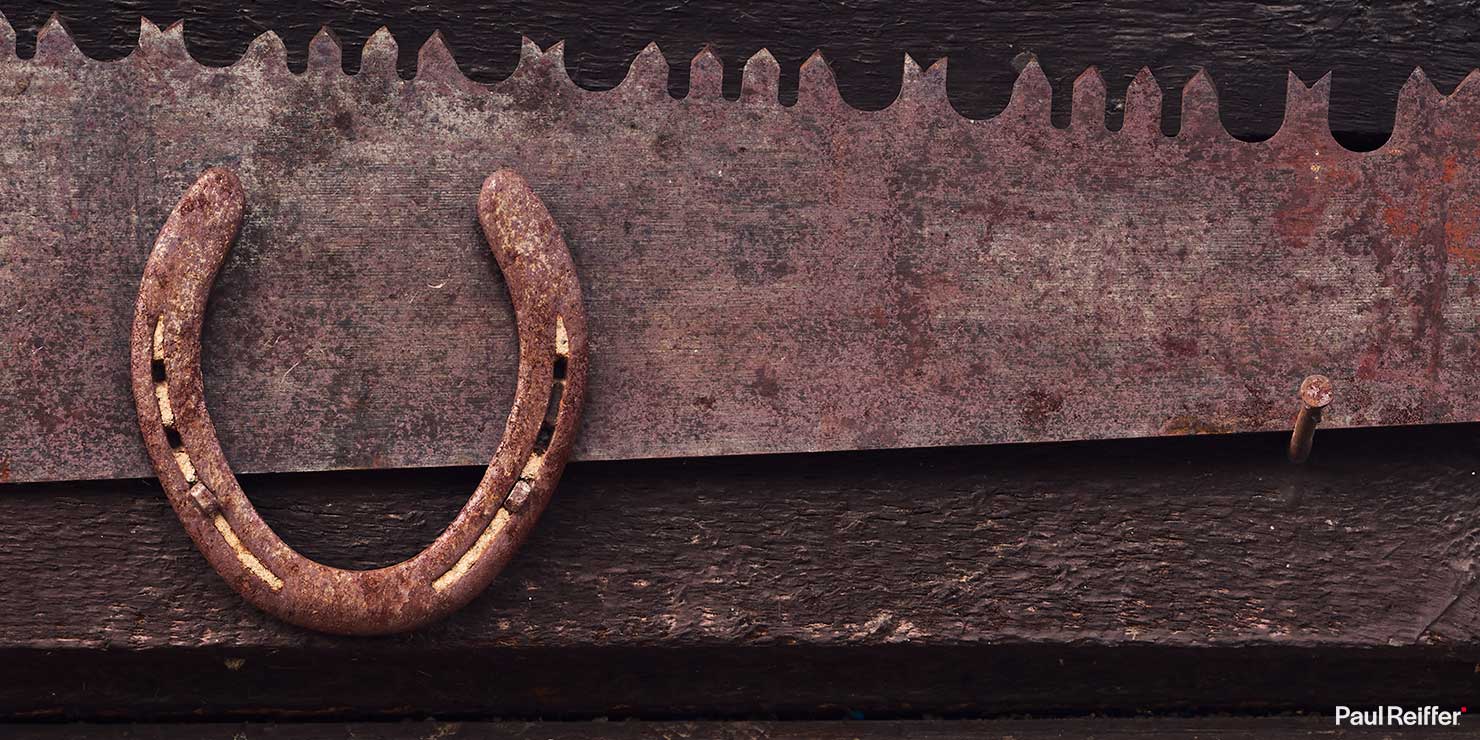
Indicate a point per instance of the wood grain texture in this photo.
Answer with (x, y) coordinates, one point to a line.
(1248, 46)
(1189, 544)
(1275, 728)
(374, 681)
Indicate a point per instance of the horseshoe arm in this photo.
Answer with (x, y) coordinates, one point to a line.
(182, 445)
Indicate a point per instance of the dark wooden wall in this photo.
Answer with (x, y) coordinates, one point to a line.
(1370, 48)
(1187, 576)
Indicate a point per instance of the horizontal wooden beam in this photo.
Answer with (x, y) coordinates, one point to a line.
(1265, 728)
(792, 682)
(1181, 575)
(1194, 542)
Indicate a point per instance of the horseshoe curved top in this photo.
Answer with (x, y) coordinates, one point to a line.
(181, 441)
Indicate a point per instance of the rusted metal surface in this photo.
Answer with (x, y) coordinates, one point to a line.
(169, 394)
(1315, 395)
(760, 278)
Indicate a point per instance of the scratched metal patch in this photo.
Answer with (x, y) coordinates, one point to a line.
(759, 278)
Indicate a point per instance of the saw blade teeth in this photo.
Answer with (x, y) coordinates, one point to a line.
(378, 55)
(54, 45)
(1142, 106)
(1307, 108)
(1087, 109)
(7, 40)
(1032, 97)
(529, 51)
(555, 55)
(1200, 108)
(934, 80)
(542, 69)
(911, 81)
(706, 76)
(434, 62)
(168, 44)
(760, 81)
(921, 87)
(268, 52)
(1418, 99)
(1470, 84)
(1418, 89)
(909, 76)
(325, 54)
(817, 87)
(149, 33)
(647, 75)
(1466, 94)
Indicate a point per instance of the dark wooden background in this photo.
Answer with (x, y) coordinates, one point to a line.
(1165, 577)
(1370, 48)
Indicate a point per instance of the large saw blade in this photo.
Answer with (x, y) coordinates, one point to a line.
(760, 278)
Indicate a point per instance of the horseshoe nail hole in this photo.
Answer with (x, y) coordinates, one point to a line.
(557, 389)
(166, 409)
(552, 415)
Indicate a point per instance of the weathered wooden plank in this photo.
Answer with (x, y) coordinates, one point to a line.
(758, 278)
(1271, 728)
(1183, 543)
(1248, 45)
(1198, 574)
(358, 679)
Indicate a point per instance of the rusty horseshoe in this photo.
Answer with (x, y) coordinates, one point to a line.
(181, 441)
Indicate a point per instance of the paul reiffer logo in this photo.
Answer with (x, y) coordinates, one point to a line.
(1398, 717)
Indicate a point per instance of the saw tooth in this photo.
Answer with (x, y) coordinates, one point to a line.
(268, 52)
(325, 53)
(706, 76)
(647, 76)
(1142, 106)
(434, 63)
(7, 40)
(1418, 100)
(1200, 108)
(378, 55)
(922, 88)
(168, 44)
(54, 46)
(149, 34)
(1469, 87)
(554, 61)
(1307, 111)
(542, 68)
(1032, 98)
(1087, 112)
(909, 79)
(1466, 95)
(817, 87)
(934, 80)
(760, 80)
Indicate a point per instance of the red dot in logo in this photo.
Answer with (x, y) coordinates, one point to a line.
(1464, 709)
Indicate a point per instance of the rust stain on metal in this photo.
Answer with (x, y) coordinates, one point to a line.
(169, 395)
(764, 278)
